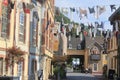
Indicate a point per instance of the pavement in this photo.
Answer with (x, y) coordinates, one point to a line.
(83, 76)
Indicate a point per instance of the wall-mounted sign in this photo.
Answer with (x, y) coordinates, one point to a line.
(95, 57)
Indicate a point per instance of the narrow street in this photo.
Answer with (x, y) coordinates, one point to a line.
(82, 76)
(59, 40)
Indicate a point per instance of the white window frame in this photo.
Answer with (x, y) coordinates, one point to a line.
(20, 68)
(70, 46)
(34, 31)
(21, 26)
(95, 64)
(5, 22)
(78, 46)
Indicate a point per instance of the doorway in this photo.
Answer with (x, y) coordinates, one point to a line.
(76, 62)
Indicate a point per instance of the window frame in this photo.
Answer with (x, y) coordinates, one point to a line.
(34, 29)
(22, 26)
(5, 26)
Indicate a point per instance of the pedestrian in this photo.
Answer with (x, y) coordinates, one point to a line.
(39, 73)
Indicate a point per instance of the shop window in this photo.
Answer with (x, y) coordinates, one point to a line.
(70, 46)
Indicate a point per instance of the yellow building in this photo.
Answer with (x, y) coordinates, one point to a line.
(14, 32)
(47, 38)
(6, 32)
(113, 43)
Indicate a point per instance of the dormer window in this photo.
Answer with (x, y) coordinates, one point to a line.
(78, 46)
(70, 46)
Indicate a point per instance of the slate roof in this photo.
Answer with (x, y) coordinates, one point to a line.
(75, 41)
(97, 41)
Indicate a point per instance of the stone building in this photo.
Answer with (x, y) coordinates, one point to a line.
(47, 37)
(114, 47)
(14, 31)
(96, 58)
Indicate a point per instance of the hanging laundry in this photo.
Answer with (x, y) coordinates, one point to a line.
(101, 25)
(107, 36)
(90, 27)
(72, 9)
(83, 12)
(78, 30)
(77, 11)
(104, 33)
(97, 24)
(95, 31)
(64, 10)
(113, 7)
(91, 10)
(101, 9)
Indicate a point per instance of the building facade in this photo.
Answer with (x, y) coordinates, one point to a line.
(6, 33)
(15, 33)
(114, 47)
(35, 59)
(96, 59)
(47, 38)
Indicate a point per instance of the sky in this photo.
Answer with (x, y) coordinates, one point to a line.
(84, 4)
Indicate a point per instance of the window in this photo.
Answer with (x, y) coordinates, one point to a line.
(70, 46)
(20, 68)
(78, 46)
(34, 66)
(22, 27)
(69, 38)
(34, 29)
(95, 66)
(5, 21)
(1, 66)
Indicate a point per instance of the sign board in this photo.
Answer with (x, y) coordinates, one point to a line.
(95, 57)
